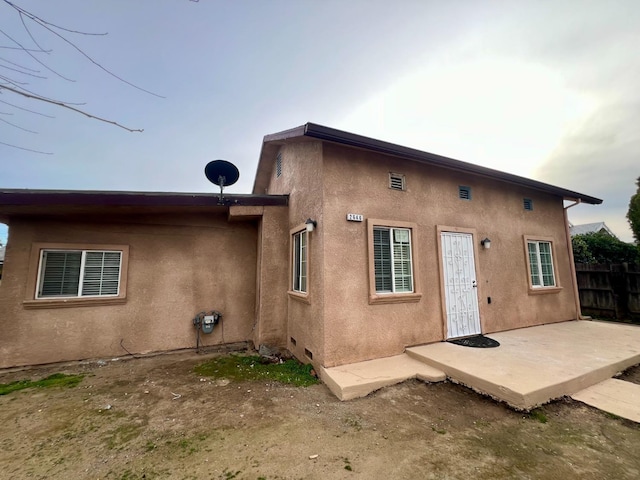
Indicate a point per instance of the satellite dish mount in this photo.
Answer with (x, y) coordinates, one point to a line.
(221, 173)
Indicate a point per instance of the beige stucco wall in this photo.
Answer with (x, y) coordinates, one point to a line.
(302, 178)
(272, 279)
(356, 181)
(178, 265)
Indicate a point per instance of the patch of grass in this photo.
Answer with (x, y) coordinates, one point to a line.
(347, 465)
(55, 380)
(353, 422)
(539, 415)
(246, 368)
(150, 446)
(122, 435)
(228, 474)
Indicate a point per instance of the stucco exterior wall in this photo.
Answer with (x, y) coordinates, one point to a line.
(357, 181)
(302, 178)
(272, 279)
(178, 265)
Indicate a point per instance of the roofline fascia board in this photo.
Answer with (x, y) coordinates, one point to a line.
(345, 138)
(25, 197)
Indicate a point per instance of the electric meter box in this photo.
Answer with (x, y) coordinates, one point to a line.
(208, 322)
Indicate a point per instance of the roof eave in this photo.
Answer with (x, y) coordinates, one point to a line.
(26, 197)
(345, 138)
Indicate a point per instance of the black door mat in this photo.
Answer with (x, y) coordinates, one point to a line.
(478, 341)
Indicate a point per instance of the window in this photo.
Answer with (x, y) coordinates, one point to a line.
(464, 192)
(528, 204)
(540, 264)
(392, 254)
(300, 262)
(397, 181)
(79, 273)
(392, 260)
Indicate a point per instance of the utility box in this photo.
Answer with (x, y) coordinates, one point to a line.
(208, 322)
(205, 321)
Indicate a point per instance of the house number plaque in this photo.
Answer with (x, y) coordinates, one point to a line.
(354, 217)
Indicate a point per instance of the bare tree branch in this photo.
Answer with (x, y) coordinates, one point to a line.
(21, 72)
(25, 49)
(35, 18)
(32, 56)
(64, 105)
(44, 24)
(2, 59)
(26, 149)
(26, 110)
(17, 126)
(16, 74)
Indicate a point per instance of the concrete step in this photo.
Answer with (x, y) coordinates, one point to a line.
(614, 396)
(360, 379)
(535, 365)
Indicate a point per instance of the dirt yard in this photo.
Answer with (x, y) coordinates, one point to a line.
(153, 418)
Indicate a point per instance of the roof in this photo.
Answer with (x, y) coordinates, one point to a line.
(590, 228)
(313, 131)
(30, 202)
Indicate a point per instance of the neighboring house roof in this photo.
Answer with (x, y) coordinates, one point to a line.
(311, 130)
(598, 227)
(25, 201)
(2, 249)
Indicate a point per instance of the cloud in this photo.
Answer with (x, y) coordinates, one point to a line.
(600, 158)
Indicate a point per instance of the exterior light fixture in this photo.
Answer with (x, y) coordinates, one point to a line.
(311, 224)
(486, 243)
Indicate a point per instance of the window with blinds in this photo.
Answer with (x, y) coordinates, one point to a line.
(541, 264)
(300, 262)
(79, 273)
(393, 268)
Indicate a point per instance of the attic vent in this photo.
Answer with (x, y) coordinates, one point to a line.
(278, 165)
(528, 204)
(464, 192)
(397, 181)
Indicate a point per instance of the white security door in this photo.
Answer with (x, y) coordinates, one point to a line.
(460, 286)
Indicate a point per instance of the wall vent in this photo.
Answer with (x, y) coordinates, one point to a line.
(293, 341)
(308, 354)
(528, 204)
(464, 192)
(397, 181)
(278, 165)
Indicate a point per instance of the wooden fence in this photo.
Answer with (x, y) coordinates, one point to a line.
(609, 290)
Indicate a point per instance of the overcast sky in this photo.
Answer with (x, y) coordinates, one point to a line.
(547, 90)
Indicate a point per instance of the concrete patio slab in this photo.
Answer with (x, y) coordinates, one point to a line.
(360, 379)
(537, 364)
(614, 396)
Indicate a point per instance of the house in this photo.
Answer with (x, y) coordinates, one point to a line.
(597, 227)
(348, 249)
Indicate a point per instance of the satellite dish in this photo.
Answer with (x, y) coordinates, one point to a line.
(221, 173)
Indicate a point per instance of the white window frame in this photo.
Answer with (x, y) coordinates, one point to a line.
(300, 262)
(81, 279)
(536, 273)
(394, 249)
